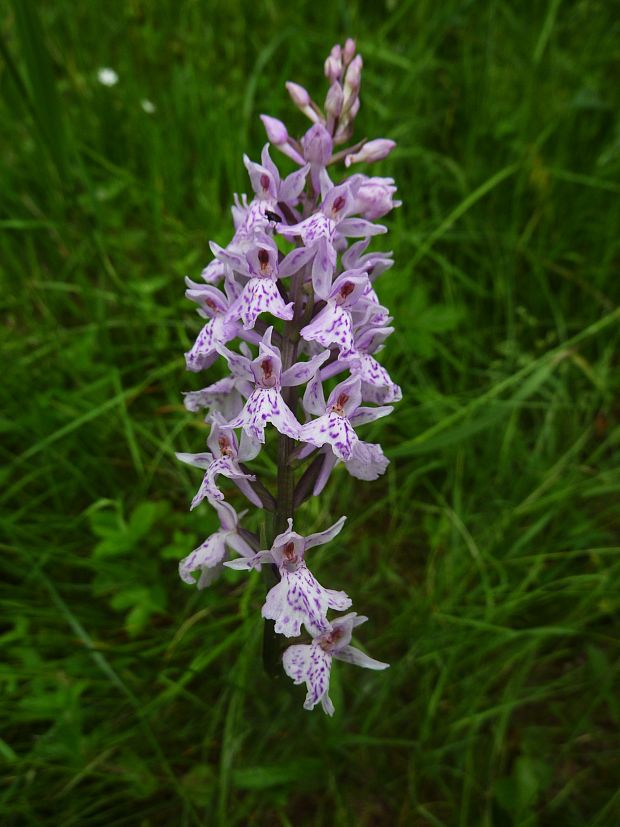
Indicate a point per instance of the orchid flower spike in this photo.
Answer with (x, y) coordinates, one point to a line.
(290, 302)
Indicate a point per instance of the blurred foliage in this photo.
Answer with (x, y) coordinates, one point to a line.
(487, 558)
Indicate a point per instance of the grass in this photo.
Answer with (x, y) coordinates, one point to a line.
(487, 558)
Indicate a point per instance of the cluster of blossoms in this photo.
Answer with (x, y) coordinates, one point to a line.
(291, 259)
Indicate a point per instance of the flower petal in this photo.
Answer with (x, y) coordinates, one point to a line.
(323, 267)
(197, 460)
(211, 395)
(367, 461)
(349, 654)
(266, 405)
(203, 353)
(314, 398)
(260, 295)
(301, 372)
(295, 260)
(332, 326)
(293, 185)
(360, 228)
(209, 554)
(322, 537)
(238, 364)
(300, 599)
(225, 466)
(364, 415)
(332, 429)
(309, 664)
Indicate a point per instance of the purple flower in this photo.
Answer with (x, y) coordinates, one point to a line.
(333, 325)
(298, 599)
(355, 258)
(260, 294)
(267, 184)
(227, 453)
(311, 663)
(377, 386)
(265, 403)
(221, 327)
(318, 233)
(337, 418)
(374, 197)
(208, 558)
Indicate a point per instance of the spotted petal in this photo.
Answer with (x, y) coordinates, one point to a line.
(374, 374)
(309, 664)
(208, 555)
(332, 326)
(260, 295)
(266, 405)
(203, 353)
(367, 461)
(225, 466)
(332, 429)
(299, 599)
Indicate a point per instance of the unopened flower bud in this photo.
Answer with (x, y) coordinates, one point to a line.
(302, 99)
(299, 95)
(333, 100)
(349, 51)
(277, 132)
(371, 151)
(317, 145)
(353, 77)
(333, 69)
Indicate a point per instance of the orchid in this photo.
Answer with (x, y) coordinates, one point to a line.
(298, 597)
(311, 664)
(337, 417)
(290, 304)
(208, 558)
(225, 461)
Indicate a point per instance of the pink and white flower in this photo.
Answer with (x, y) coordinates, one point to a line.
(224, 458)
(265, 404)
(337, 417)
(209, 557)
(298, 599)
(311, 663)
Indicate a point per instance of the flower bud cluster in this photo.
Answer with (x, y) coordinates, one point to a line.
(294, 289)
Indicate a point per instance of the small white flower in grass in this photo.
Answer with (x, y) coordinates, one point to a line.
(148, 106)
(107, 76)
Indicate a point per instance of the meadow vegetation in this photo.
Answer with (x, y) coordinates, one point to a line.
(487, 557)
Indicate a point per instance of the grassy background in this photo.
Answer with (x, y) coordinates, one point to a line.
(487, 558)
